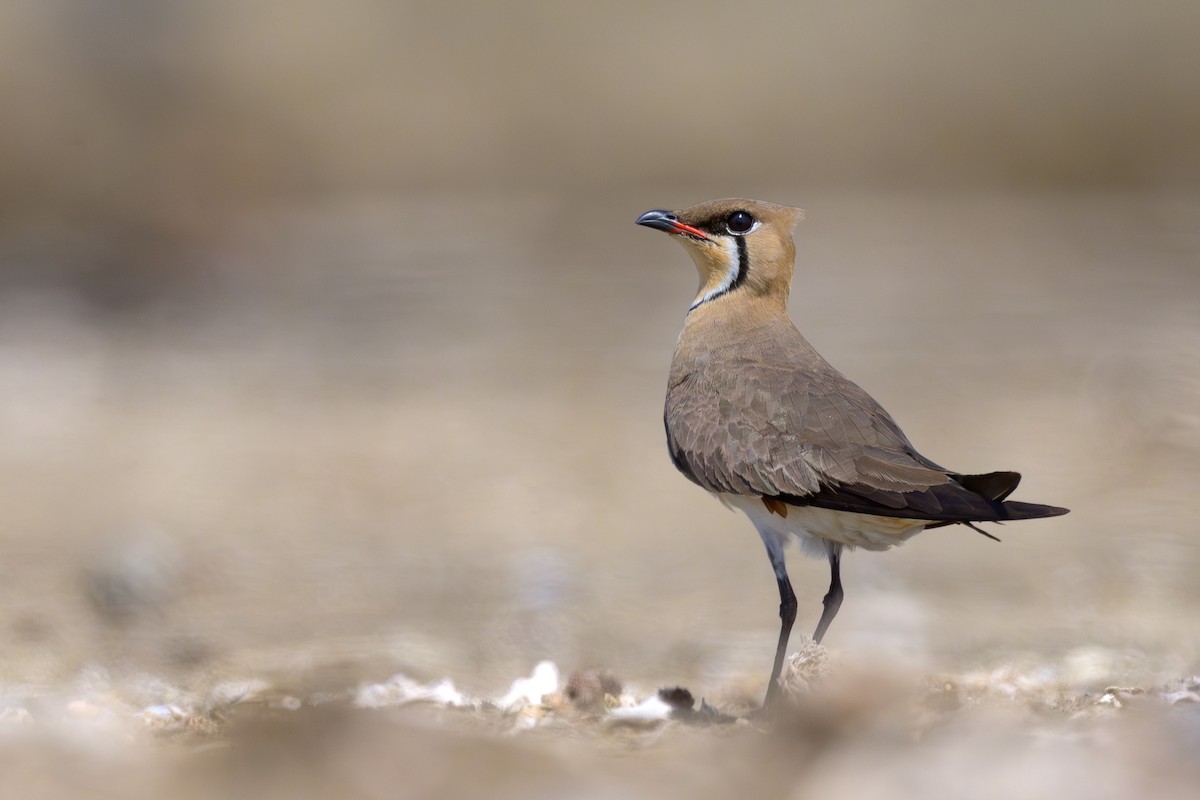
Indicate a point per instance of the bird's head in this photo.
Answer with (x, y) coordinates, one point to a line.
(738, 245)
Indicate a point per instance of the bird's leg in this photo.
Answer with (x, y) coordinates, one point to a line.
(787, 616)
(833, 598)
(787, 613)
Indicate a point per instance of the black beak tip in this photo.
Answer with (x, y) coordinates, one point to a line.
(659, 220)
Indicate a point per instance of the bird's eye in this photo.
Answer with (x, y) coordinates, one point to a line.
(739, 222)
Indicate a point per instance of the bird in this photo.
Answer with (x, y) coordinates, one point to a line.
(758, 418)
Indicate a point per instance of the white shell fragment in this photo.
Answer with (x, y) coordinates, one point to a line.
(531, 691)
(652, 710)
(164, 717)
(401, 690)
(1182, 696)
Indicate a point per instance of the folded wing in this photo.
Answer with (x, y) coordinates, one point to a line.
(815, 438)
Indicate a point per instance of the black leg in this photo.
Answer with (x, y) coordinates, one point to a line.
(787, 616)
(833, 599)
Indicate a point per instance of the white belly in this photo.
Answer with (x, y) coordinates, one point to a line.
(815, 527)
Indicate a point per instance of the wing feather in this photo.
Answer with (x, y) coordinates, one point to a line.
(812, 437)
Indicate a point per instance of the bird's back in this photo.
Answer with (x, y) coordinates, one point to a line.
(753, 409)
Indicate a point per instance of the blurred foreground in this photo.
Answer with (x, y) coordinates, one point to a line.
(880, 733)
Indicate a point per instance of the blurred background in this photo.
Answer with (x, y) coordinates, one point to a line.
(327, 341)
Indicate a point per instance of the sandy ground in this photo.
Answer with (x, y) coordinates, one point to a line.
(390, 436)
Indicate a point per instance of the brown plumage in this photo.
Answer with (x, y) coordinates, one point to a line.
(757, 417)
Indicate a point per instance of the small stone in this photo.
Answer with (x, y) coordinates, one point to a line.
(289, 703)
(678, 698)
(1182, 696)
(589, 691)
(164, 717)
(710, 715)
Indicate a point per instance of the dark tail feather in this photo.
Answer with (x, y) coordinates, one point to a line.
(1017, 510)
(995, 486)
(992, 485)
(965, 498)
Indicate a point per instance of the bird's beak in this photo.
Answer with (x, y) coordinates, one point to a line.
(666, 221)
